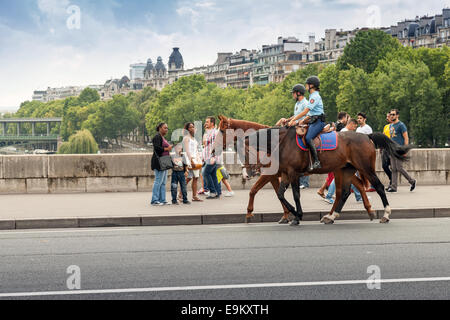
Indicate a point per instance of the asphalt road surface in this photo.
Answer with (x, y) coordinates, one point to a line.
(260, 261)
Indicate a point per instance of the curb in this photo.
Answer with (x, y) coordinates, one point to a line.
(137, 221)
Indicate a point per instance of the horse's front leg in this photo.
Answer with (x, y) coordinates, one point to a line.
(259, 184)
(296, 193)
(281, 191)
(276, 186)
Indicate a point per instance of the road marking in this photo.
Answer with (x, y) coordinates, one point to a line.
(220, 287)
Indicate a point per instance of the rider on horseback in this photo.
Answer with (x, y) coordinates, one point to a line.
(298, 93)
(315, 117)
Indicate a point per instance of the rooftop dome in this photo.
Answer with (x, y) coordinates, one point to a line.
(160, 65)
(176, 59)
(149, 65)
(124, 81)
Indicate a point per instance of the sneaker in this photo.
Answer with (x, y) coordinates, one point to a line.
(207, 193)
(413, 185)
(329, 201)
(229, 194)
(166, 204)
(213, 197)
(302, 187)
(187, 202)
(390, 189)
(156, 204)
(201, 192)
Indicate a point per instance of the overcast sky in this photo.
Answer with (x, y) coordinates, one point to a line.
(42, 43)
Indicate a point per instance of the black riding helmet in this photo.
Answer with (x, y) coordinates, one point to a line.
(314, 81)
(299, 88)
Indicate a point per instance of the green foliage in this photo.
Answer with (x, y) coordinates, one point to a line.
(80, 143)
(409, 87)
(88, 96)
(112, 119)
(367, 49)
(355, 94)
(329, 89)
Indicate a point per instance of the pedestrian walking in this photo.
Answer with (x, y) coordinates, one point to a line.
(161, 163)
(399, 134)
(385, 160)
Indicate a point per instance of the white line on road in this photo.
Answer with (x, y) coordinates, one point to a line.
(220, 287)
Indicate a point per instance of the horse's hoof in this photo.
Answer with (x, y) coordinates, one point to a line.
(328, 221)
(294, 223)
(384, 220)
(372, 215)
(283, 221)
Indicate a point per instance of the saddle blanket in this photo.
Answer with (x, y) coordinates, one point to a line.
(328, 142)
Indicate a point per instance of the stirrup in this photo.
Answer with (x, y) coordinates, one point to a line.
(315, 165)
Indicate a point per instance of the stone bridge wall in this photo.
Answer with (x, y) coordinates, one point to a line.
(132, 172)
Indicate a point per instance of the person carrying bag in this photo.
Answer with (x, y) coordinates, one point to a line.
(161, 163)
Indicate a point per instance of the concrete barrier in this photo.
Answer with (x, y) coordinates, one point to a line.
(132, 172)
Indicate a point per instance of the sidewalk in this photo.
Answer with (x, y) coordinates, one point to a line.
(133, 209)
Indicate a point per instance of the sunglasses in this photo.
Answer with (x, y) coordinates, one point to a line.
(392, 114)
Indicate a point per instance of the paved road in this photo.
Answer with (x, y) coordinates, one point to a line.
(271, 261)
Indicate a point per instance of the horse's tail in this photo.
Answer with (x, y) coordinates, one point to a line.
(392, 148)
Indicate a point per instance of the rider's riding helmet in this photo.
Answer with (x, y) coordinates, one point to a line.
(314, 81)
(299, 88)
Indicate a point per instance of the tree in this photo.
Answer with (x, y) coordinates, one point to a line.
(80, 143)
(112, 119)
(367, 49)
(183, 88)
(409, 87)
(141, 102)
(355, 94)
(88, 96)
(329, 89)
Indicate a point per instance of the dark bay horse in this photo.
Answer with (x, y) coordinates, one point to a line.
(355, 152)
(228, 137)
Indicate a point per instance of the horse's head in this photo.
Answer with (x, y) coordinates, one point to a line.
(225, 127)
(249, 155)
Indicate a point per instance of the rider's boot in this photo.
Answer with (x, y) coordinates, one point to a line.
(316, 162)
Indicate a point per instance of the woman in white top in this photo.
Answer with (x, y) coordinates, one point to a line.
(193, 157)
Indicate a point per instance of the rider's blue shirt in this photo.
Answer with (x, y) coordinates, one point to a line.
(315, 104)
(300, 106)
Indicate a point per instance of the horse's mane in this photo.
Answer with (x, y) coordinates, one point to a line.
(282, 130)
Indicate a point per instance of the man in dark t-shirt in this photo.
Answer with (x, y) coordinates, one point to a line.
(399, 134)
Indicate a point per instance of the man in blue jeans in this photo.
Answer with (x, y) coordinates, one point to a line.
(211, 160)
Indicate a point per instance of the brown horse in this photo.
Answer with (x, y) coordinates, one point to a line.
(228, 137)
(355, 152)
(227, 124)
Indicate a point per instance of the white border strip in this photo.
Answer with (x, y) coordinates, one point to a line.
(221, 287)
